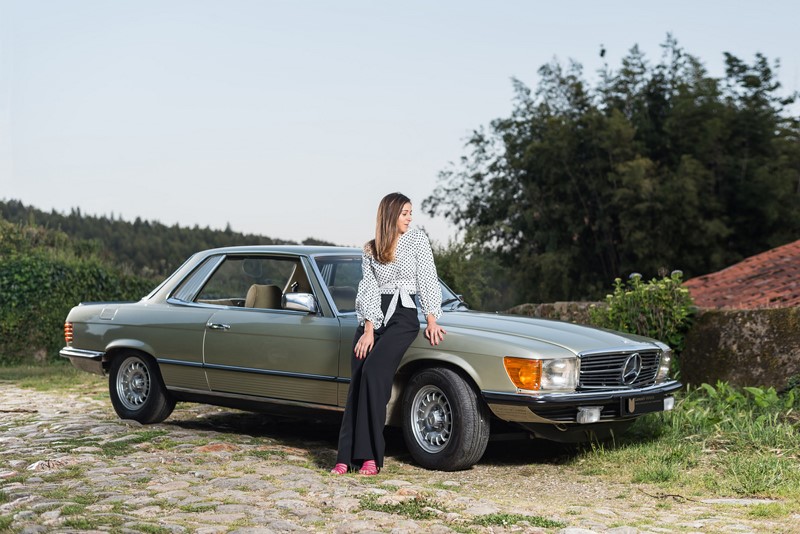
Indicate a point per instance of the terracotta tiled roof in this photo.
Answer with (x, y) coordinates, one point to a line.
(767, 280)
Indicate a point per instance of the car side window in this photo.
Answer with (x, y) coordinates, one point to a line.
(253, 282)
(341, 275)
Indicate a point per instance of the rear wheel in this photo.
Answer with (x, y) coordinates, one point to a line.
(446, 425)
(136, 389)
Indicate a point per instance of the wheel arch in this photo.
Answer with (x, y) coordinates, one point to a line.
(124, 346)
(409, 368)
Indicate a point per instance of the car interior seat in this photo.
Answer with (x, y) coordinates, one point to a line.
(263, 296)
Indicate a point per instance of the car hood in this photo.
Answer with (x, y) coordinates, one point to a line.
(573, 337)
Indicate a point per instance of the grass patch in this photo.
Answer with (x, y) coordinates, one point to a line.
(5, 522)
(57, 494)
(506, 520)
(266, 454)
(80, 523)
(770, 510)
(719, 440)
(197, 508)
(150, 529)
(87, 499)
(3, 497)
(446, 487)
(72, 509)
(416, 508)
(69, 473)
(126, 446)
(56, 376)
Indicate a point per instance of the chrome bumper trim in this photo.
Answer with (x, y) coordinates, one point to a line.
(580, 397)
(70, 352)
(90, 361)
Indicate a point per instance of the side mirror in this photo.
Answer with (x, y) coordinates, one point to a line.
(304, 302)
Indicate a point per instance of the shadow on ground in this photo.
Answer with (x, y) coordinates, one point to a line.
(319, 436)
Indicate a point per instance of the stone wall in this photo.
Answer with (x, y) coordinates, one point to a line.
(571, 312)
(741, 347)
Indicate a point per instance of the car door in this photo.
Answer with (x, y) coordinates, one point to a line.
(253, 347)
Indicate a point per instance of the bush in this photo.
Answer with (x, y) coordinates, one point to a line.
(660, 309)
(42, 276)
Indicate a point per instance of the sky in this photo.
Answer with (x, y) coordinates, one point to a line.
(292, 119)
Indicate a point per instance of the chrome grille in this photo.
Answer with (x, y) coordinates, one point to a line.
(604, 371)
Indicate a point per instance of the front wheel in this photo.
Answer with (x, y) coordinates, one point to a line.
(445, 424)
(137, 391)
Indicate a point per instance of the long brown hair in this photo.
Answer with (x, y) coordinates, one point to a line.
(386, 233)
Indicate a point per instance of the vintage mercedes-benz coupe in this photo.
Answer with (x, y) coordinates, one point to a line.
(271, 327)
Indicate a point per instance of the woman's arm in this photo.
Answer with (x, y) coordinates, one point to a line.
(368, 299)
(430, 292)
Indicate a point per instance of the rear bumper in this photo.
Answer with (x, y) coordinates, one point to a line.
(90, 361)
(617, 404)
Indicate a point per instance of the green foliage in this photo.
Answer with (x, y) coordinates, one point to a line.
(475, 274)
(720, 439)
(658, 165)
(508, 520)
(42, 275)
(149, 249)
(661, 309)
(417, 508)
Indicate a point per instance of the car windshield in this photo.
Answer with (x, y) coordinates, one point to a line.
(341, 274)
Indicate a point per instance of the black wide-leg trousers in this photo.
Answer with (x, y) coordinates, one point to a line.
(361, 434)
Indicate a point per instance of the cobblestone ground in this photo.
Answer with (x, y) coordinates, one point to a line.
(68, 464)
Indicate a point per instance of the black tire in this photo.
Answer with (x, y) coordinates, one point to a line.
(445, 424)
(136, 389)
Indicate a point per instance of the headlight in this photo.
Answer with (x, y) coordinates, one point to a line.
(535, 375)
(663, 367)
(560, 375)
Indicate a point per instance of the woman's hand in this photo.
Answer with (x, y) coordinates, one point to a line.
(365, 342)
(433, 332)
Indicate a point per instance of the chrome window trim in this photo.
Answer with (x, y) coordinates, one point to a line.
(203, 272)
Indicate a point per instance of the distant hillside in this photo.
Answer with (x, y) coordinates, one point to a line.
(146, 248)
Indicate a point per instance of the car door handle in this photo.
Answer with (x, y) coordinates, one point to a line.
(218, 326)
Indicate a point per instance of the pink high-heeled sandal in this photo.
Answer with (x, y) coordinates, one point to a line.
(339, 469)
(369, 468)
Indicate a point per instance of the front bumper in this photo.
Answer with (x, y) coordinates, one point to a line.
(90, 361)
(615, 405)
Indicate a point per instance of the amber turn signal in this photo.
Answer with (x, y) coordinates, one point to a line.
(68, 336)
(524, 372)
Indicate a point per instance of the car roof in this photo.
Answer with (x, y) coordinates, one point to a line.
(301, 250)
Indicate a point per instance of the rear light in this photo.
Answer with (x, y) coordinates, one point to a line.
(68, 335)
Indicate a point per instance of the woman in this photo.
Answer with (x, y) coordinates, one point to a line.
(397, 264)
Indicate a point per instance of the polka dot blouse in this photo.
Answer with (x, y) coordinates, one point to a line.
(411, 272)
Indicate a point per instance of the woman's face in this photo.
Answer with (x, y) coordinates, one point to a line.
(404, 220)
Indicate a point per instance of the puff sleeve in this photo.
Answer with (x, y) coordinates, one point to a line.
(368, 299)
(430, 292)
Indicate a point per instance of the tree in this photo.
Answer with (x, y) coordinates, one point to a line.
(657, 167)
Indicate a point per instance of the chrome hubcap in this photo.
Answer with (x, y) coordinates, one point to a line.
(431, 419)
(133, 383)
